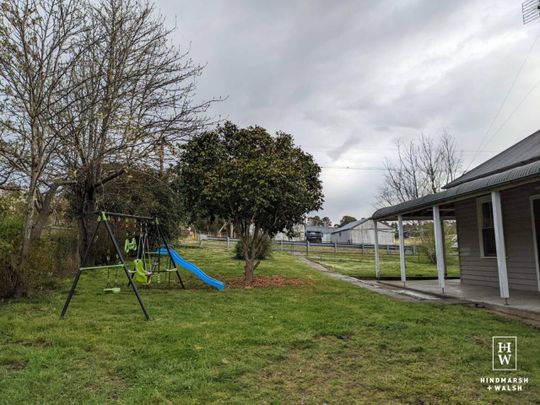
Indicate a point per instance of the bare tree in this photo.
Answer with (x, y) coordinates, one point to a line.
(452, 162)
(132, 104)
(36, 40)
(87, 89)
(423, 167)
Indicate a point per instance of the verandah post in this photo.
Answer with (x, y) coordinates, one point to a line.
(402, 263)
(376, 249)
(500, 245)
(439, 246)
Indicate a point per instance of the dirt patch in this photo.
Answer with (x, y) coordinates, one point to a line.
(267, 282)
(15, 365)
(531, 319)
(40, 342)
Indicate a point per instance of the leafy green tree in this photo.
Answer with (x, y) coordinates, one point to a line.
(326, 222)
(259, 182)
(144, 191)
(315, 221)
(347, 219)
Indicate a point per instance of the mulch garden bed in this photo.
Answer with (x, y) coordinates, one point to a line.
(267, 282)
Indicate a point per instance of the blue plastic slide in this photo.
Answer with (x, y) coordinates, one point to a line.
(180, 261)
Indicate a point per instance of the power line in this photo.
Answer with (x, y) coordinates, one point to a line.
(485, 138)
(354, 168)
(517, 107)
(388, 149)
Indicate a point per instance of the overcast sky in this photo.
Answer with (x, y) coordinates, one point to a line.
(348, 78)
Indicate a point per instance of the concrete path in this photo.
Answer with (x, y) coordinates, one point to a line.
(373, 285)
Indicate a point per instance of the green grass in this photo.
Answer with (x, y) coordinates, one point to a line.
(322, 342)
(363, 265)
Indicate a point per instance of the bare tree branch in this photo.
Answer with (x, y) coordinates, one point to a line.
(36, 37)
(423, 167)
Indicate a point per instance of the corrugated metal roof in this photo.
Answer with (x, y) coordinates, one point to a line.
(523, 152)
(317, 228)
(350, 225)
(524, 172)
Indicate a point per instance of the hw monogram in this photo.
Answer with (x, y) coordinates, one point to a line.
(504, 357)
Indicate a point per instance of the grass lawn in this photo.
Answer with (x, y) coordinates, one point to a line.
(323, 341)
(363, 265)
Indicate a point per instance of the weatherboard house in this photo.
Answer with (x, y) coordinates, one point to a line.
(496, 207)
(363, 232)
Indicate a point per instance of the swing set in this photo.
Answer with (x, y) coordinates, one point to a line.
(147, 264)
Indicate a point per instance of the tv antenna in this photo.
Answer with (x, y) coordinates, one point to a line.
(530, 10)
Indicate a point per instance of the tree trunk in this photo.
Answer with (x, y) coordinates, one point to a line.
(19, 286)
(87, 223)
(28, 221)
(43, 214)
(249, 269)
(252, 245)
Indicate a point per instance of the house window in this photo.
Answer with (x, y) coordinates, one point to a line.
(487, 229)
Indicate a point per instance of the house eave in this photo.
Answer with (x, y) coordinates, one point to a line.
(416, 209)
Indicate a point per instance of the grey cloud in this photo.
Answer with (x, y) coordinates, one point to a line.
(347, 78)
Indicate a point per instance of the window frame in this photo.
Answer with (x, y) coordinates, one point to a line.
(480, 222)
(532, 199)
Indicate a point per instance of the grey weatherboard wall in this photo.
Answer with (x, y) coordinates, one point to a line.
(519, 240)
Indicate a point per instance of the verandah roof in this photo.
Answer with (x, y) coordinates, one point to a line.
(524, 173)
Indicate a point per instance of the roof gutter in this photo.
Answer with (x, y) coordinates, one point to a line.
(465, 196)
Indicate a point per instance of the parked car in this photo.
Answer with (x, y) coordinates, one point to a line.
(314, 236)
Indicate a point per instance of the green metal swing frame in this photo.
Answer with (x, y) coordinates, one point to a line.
(102, 218)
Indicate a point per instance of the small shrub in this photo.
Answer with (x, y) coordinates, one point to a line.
(426, 247)
(49, 257)
(11, 229)
(265, 250)
(22, 281)
(7, 273)
(65, 252)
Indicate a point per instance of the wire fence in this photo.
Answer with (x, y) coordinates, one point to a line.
(306, 247)
(357, 260)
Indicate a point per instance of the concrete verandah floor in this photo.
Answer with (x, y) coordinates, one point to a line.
(488, 296)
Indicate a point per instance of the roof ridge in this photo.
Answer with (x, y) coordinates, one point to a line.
(501, 170)
(506, 151)
(348, 225)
